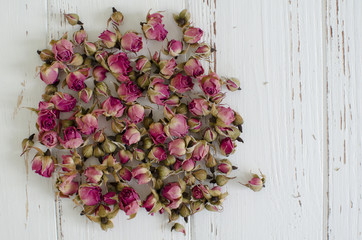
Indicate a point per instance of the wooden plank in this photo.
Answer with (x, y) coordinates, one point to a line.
(26, 199)
(275, 48)
(344, 100)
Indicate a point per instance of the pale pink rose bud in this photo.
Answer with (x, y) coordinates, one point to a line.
(177, 127)
(179, 228)
(233, 84)
(210, 161)
(131, 136)
(142, 174)
(116, 17)
(201, 150)
(113, 107)
(188, 165)
(150, 202)
(73, 19)
(101, 57)
(197, 192)
(143, 64)
(225, 166)
(193, 68)
(173, 100)
(194, 124)
(63, 102)
(154, 30)
(43, 165)
(49, 73)
(85, 94)
(128, 91)
(199, 107)
(174, 47)
(210, 84)
(157, 153)
(181, 83)
(99, 136)
(47, 106)
(72, 138)
(120, 65)
(192, 35)
(90, 194)
(90, 48)
(99, 73)
(131, 42)
(167, 67)
(63, 50)
(225, 114)
(177, 147)
(80, 36)
(93, 175)
(204, 50)
(48, 139)
(256, 183)
(129, 201)
(87, 124)
(75, 80)
(138, 154)
(158, 92)
(227, 146)
(125, 173)
(108, 38)
(157, 133)
(172, 192)
(66, 185)
(124, 156)
(136, 113)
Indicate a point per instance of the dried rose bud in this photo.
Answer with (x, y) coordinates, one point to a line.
(73, 19)
(131, 42)
(200, 174)
(80, 36)
(225, 114)
(210, 135)
(256, 183)
(174, 47)
(116, 17)
(192, 35)
(196, 206)
(197, 192)
(193, 68)
(174, 100)
(156, 132)
(199, 107)
(129, 91)
(108, 146)
(136, 113)
(90, 48)
(77, 60)
(131, 136)
(63, 50)
(189, 179)
(201, 150)
(181, 83)
(113, 107)
(167, 67)
(43, 165)
(157, 153)
(118, 125)
(129, 201)
(143, 64)
(178, 228)
(221, 180)
(147, 143)
(177, 147)
(238, 119)
(75, 80)
(188, 165)
(225, 166)
(87, 151)
(194, 124)
(27, 143)
(50, 90)
(49, 73)
(138, 154)
(204, 50)
(93, 175)
(172, 192)
(108, 38)
(227, 146)
(177, 127)
(218, 98)
(101, 89)
(99, 73)
(210, 161)
(182, 109)
(184, 211)
(154, 29)
(46, 55)
(90, 194)
(233, 84)
(169, 160)
(72, 138)
(150, 202)
(63, 102)
(158, 92)
(163, 172)
(125, 173)
(210, 84)
(87, 124)
(142, 174)
(66, 185)
(98, 152)
(183, 18)
(125, 156)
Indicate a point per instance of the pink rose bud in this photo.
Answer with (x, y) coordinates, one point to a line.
(225, 114)
(49, 73)
(199, 107)
(177, 147)
(218, 98)
(177, 127)
(46, 120)
(167, 67)
(75, 80)
(210, 135)
(156, 133)
(63, 50)
(225, 166)
(125, 174)
(110, 198)
(197, 192)
(150, 202)
(63, 102)
(67, 186)
(93, 175)
(193, 68)
(154, 29)
(87, 124)
(172, 192)
(129, 201)
(85, 94)
(128, 91)
(108, 38)
(201, 150)
(90, 48)
(181, 83)
(210, 84)
(136, 113)
(131, 42)
(143, 64)
(124, 156)
(120, 65)
(227, 146)
(188, 165)
(194, 124)
(256, 183)
(47, 106)
(174, 47)
(72, 138)
(157, 153)
(142, 174)
(72, 18)
(43, 165)
(99, 73)
(80, 36)
(233, 84)
(90, 194)
(48, 139)
(203, 50)
(177, 165)
(193, 35)
(154, 17)
(158, 92)
(113, 107)
(131, 136)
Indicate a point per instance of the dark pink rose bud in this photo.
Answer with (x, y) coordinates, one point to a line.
(99, 73)
(125, 173)
(49, 73)
(72, 138)
(75, 80)
(93, 175)
(197, 193)
(177, 127)
(87, 124)
(173, 193)
(46, 106)
(80, 36)
(225, 114)
(177, 164)
(48, 139)
(193, 68)
(129, 201)
(201, 150)
(142, 174)
(156, 133)
(67, 186)
(210, 84)
(150, 202)
(85, 94)
(199, 107)
(225, 166)
(194, 124)
(143, 64)
(158, 92)
(63, 102)
(128, 91)
(108, 38)
(131, 136)
(113, 107)
(174, 47)
(157, 153)
(227, 146)
(43, 165)
(181, 83)
(167, 67)
(193, 35)
(90, 194)
(46, 120)
(136, 113)
(177, 147)
(131, 42)
(63, 50)
(124, 156)
(120, 65)
(110, 198)
(188, 165)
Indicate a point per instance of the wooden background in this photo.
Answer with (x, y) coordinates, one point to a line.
(300, 66)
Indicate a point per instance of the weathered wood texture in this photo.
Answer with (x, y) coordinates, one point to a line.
(299, 66)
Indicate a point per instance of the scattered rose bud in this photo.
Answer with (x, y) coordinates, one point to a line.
(203, 50)
(43, 165)
(113, 107)
(129, 201)
(90, 194)
(87, 124)
(225, 166)
(48, 139)
(256, 183)
(108, 38)
(131, 42)
(193, 68)
(194, 124)
(72, 138)
(63, 50)
(227, 146)
(99, 73)
(131, 136)
(210, 84)
(93, 175)
(157, 153)
(73, 19)
(136, 113)
(173, 193)
(192, 35)
(174, 47)
(129, 91)
(181, 83)
(177, 147)
(199, 107)
(156, 132)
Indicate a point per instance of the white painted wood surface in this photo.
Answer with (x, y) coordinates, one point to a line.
(299, 63)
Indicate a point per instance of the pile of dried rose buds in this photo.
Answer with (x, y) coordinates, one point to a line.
(100, 132)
